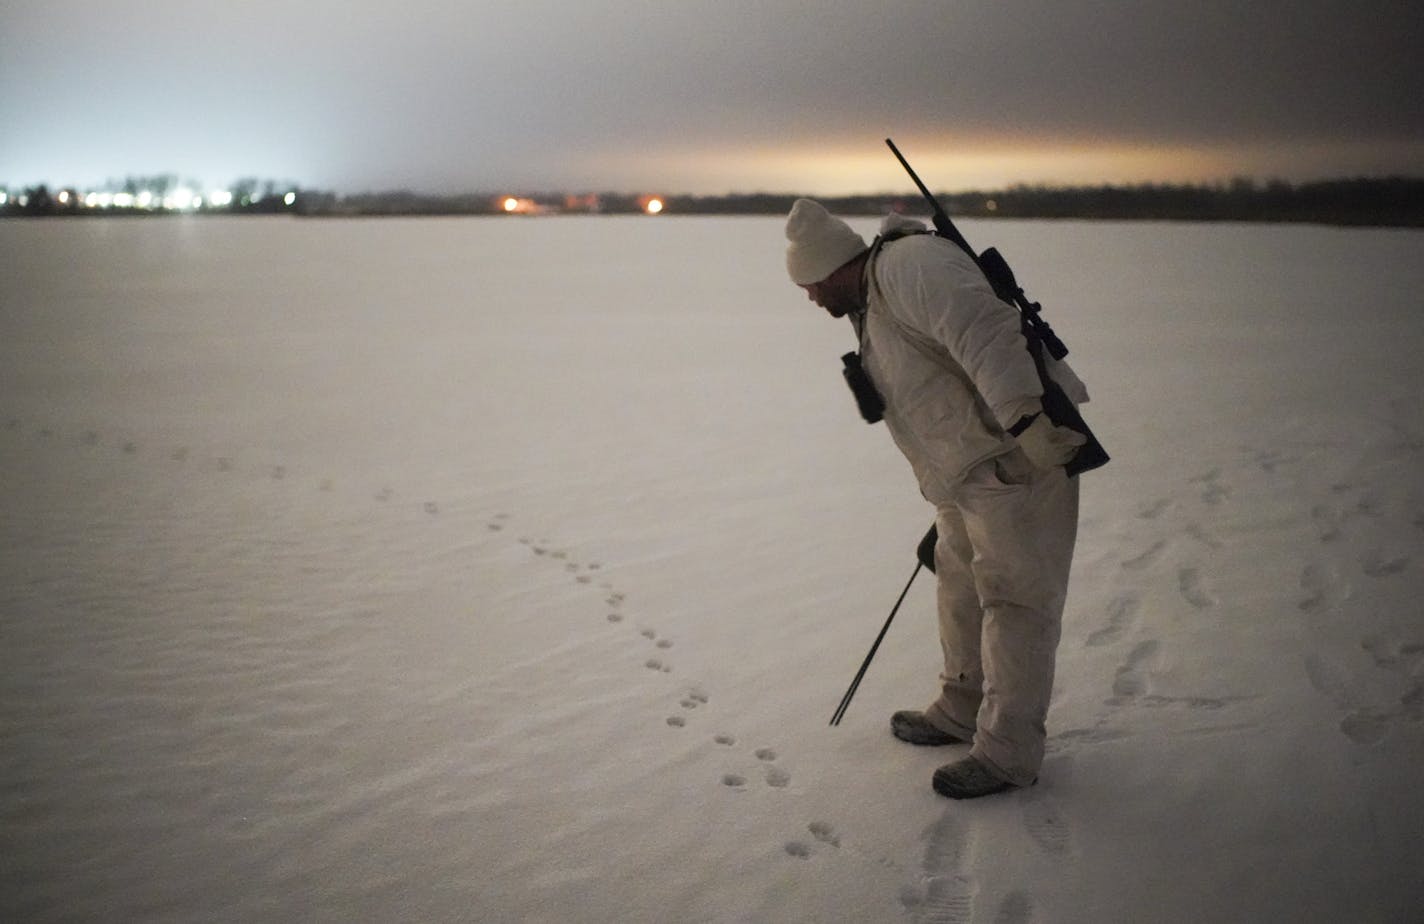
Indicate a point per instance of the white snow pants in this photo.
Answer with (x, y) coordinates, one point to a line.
(1004, 552)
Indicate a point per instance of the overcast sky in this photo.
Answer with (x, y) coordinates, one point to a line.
(707, 97)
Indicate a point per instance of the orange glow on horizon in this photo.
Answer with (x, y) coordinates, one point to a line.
(962, 164)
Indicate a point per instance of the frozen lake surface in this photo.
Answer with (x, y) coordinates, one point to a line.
(510, 570)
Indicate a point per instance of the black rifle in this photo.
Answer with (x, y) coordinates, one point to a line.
(1036, 330)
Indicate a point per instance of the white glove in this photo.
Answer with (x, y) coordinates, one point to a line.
(1048, 446)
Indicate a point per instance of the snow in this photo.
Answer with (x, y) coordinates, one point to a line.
(511, 570)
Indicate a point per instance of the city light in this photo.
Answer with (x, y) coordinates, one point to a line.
(514, 205)
(181, 199)
(162, 195)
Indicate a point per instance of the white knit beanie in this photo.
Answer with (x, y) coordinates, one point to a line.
(820, 243)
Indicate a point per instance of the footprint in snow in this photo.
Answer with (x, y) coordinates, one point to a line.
(1045, 824)
(1189, 582)
(943, 891)
(1016, 908)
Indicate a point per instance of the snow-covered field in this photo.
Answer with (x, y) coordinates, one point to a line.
(510, 570)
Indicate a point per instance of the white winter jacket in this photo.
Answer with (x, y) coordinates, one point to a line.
(948, 357)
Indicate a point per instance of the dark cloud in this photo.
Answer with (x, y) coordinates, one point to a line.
(483, 94)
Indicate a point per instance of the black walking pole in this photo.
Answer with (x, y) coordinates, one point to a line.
(845, 700)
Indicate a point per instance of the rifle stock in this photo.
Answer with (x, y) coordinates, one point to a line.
(1037, 332)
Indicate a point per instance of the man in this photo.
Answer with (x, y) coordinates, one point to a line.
(961, 396)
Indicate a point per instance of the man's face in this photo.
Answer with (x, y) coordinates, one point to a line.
(834, 295)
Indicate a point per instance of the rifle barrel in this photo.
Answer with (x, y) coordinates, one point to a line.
(924, 190)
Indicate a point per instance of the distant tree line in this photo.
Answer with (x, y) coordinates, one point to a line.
(140, 195)
(1389, 201)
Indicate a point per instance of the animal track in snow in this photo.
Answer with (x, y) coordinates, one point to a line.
(1196, 531)
(1314, 581)
(1147, 557)
(1120, 613)
(1130, 682)
(1377, 565)
(1362, 726)
(777, 777)
(824, 833)
(1155, 509)
(1213, 492)
(1189, 582)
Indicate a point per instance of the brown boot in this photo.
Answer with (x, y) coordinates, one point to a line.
(968, 779)
(912, 726)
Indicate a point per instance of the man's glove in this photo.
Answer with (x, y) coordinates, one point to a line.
(1048, 446)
